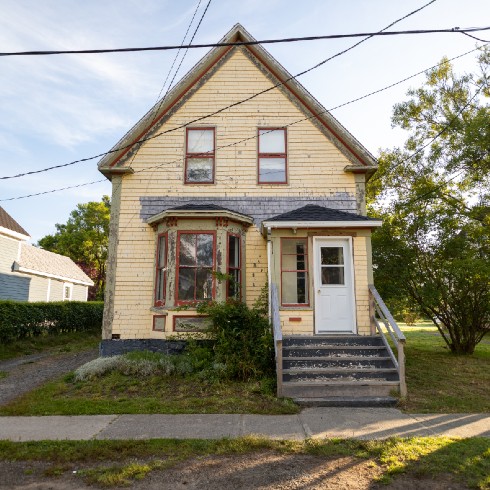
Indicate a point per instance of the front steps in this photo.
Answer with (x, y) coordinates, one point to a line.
(343, 370)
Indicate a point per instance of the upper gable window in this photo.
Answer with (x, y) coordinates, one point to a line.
(272, 156)
(199, 156)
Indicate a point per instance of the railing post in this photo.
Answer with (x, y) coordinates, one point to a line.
(401, 368)
(279, 368)
(372, 313)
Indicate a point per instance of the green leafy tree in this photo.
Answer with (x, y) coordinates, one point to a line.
(84, 238)
(433, 252)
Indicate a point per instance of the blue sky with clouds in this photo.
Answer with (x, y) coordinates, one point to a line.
(55, 109)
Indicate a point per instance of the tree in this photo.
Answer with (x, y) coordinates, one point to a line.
(434, 197)
(84, 238)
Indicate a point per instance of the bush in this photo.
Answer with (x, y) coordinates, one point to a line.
(19, 320)
(242, 339)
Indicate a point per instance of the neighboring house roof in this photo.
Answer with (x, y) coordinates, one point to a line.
(8, 224)
(118, 161)
(40, 262)
(319, 216)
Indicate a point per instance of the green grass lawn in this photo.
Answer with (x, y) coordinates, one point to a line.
(57, 344)
(118, 463)
(116, 393)
(439, 381)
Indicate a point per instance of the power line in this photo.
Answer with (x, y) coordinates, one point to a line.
(142, 140)
(216, 112)
(450, 30)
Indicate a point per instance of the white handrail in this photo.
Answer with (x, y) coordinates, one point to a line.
(277, 332)
(378, 306)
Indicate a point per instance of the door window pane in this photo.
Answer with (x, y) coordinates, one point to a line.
(333, 276)
(332, 255)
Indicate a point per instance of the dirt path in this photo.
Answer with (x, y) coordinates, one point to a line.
(28, 372)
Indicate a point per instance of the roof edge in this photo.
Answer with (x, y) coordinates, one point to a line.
(18, 268)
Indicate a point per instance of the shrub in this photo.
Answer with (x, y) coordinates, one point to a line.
(19, 320)
(242, 339)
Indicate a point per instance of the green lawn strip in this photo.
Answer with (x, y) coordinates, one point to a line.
(118, 462)
(65, 342)
(3, 374)
(441, 382)
(116, 393)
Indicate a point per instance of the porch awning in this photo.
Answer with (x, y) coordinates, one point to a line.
(314, 216)
(200, 210)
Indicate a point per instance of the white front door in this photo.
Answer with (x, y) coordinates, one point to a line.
(334, 285)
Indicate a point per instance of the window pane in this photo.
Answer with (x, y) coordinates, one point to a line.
(199, 170)
(160, 294)
(293, 262)
(162, 252)
(272, 170)
(204, 284)
(205, 250)
(233, 251)
(332, 255)
(234, 284)
(187, 284)
(187, 249)
(294, 246)
(200, 140)
(272, 141)
(294, 288)
(333, 275)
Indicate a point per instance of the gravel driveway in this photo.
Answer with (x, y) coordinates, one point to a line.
(28, 372)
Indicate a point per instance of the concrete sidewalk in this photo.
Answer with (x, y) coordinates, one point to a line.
(360, 423)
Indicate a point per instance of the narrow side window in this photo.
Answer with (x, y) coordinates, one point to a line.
(233, 287)
(161, 270)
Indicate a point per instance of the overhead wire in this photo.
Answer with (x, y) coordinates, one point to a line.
(216, 112)
(449, 30)
(279, 84)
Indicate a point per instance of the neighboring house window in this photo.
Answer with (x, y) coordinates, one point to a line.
(67, 291)
(195, 266)
(294, 271)
(233, 287)
(161, 270)
(199, 157)
(272, 156)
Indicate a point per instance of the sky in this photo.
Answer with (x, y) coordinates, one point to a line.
(56, 109)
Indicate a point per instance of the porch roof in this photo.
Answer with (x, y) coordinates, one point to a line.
(200, 210)
(314, 216)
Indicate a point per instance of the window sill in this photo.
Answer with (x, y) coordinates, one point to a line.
(299, 307)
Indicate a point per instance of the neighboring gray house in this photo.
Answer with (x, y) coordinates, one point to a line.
(28, 273)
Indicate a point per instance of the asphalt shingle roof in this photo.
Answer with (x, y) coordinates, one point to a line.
(41, 260)
(313, 212)
(8, 222)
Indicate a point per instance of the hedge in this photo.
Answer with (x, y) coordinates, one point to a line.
(19, 320)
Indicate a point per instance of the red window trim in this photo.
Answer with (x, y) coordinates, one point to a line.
(199, 155)
(296, 270)
(239, 268)
(158, 266)
(273, 155)
(159, 316)
(177, 264)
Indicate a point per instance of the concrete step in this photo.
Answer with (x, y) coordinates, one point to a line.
(340, 374)
(332, 340)
(335, 351)
(348, 401)
(361, 388)
(357, 362)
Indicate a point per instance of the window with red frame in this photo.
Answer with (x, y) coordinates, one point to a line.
(272, 156)
(233, 289)
(199, 156)
(294, 271)
(196, 262)
(161, 270)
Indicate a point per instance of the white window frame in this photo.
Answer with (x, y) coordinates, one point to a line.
(70, 286)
